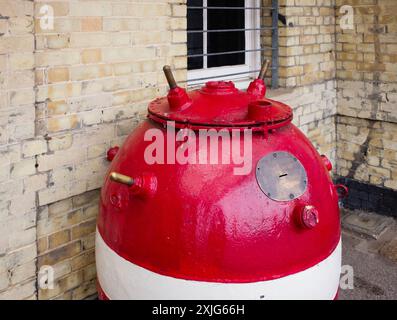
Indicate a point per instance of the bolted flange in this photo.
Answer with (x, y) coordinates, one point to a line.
(309, 217)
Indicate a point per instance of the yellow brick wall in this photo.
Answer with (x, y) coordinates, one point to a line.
(367, 93)
(18, 179)
(314, 108)
(367, 150)
(98, 69)
(307, 65)
(66, 241)
(306, 42)
(67, 94)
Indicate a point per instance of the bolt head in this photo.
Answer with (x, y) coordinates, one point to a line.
(112, 153)
(309, 217)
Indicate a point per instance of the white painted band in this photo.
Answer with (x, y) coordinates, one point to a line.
(121, 279)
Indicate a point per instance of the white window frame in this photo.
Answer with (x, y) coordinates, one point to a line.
(252, 59)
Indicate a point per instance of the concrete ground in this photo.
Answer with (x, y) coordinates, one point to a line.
(370, 247)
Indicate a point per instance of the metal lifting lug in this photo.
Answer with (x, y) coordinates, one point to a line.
(342, 190)
(326, 162)
(177, 97)
(307, 217)
(120, 178)
(142, 185)
(257, 88)
(112, 153)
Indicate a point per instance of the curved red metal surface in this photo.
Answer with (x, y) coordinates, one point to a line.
(205, 223)
(327, 162)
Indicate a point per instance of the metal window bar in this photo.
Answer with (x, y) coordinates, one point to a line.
(231, 74)
(229, 30)
(275, 52)
(229, 8)
(228, 52)
(274, 47)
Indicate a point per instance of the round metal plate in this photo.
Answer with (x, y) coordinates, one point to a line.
(281, 176)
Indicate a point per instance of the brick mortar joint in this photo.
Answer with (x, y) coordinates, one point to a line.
(366, 119)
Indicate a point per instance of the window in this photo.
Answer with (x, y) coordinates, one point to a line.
(223, 39)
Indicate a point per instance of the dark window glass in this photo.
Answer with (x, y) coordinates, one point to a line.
(195, 40)
(226, 41)
(217, 19)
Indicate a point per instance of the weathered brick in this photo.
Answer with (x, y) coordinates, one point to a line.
(63, 123)
(83, 260)
(58, 41)
(58, 75)
(85, 290)
(34, 147)
(23, 168)
(62, 285)
(83, 229)
(20, 291)
(60, 254)
(91, 24)
(62, 142)
(59, 238)
(15, 44)
(21, 61)
(91, 56)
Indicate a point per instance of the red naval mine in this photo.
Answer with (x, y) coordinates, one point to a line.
(216, 230)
